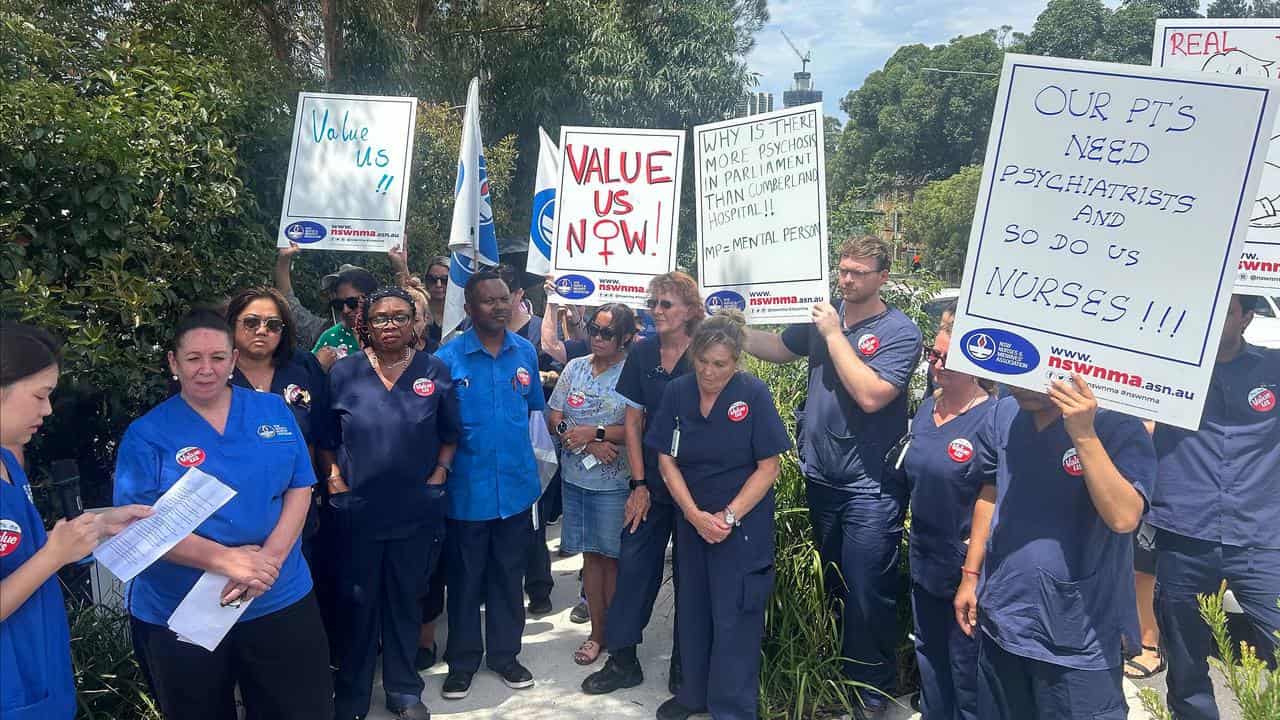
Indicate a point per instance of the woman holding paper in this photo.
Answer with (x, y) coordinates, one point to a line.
(250, 441)
(35, 645)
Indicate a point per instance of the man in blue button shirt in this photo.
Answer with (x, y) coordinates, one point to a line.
(1217, 512)
(861, 356)
(492, 489)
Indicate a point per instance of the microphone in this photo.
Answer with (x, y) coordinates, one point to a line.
(66, 485)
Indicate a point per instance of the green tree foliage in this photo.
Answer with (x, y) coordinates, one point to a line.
(1227, 9)
(1089, 30)
(940, 217)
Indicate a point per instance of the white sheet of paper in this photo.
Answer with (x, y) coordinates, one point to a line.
(178, 512)
(200, 618)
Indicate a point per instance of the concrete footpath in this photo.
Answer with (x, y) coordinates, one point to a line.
(549, 643)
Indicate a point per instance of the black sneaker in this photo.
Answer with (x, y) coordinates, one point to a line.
(457, 685)
(417, 712)
(425, 658)
(673, 710)
(580, 613)
(516, 676)
(614, 675)
(541, 606)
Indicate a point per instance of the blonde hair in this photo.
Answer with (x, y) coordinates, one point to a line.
(684, 287)
(866, 246)
(727, 327)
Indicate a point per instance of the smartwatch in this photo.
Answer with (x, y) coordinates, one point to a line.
(633, 483)
(562, 427)
(599, 433)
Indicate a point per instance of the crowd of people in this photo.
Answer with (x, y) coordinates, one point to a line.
(385, 471)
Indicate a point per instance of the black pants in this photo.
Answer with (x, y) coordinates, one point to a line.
(486, 566)
(280, 661)
(538, 582)
(642, 564)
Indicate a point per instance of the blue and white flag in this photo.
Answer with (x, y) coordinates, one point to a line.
(472, 242)
(542, 220)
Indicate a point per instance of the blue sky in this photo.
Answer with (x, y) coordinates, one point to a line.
(851, 38)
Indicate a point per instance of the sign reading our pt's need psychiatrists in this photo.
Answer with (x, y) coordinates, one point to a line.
(1113, 205)
(348, 183)
(1245, 48)
(617, 209)
(762, 214)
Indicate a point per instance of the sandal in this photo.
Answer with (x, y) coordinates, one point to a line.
(1135, 670)
(587, 653)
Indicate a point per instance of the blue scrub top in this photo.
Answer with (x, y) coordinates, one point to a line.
(494, 473)
(388, 442)
(36, 682)
(1057, 583)
(840, 445)
(642, 384)
(305, 389)
(1221, 483)
(946, 468)
(718, 452)
(261, 455)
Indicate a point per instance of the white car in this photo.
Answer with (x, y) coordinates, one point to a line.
(933, 309)
(1264, 330)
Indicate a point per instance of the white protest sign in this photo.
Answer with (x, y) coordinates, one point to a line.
(348, 183)
(1113, 206)
(1248, 48)
(762, 214)
(617, 210)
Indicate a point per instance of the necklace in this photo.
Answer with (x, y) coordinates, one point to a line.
(942, 398)
(402, 362)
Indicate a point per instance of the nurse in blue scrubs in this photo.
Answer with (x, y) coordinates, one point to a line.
(941, 462)
(1055, 609)
(277, 652)
(395, 432)
(35, 646)
(719, 439)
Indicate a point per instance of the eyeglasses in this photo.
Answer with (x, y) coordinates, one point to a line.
(858, 273)
(253, 322)
(652, 303)
(604, 333)
(350, 303)
(935, 356)
(381, 321)
(437, 279)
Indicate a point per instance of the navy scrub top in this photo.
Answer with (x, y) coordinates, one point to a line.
(305, 389)
(36, 682)
(1222, 482)
(1057, 583)
(718, 452)
(642, 384)
(261, 454)
(388, 442)
(840, 445)
(946, 468)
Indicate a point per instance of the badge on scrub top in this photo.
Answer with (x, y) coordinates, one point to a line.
(738, 411)
(675, 439)
(190, 456)
(1071, 463)
(10, 536)
(424, 387)
(576, 399)
(1262, 399)
(960, 450)
(297, 396)
(868, 344)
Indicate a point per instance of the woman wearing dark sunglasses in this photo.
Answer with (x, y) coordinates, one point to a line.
(587, 414)
(349, 289)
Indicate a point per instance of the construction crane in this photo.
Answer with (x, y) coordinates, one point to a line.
(804, 57)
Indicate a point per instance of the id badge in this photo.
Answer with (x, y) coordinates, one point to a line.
(675, 440)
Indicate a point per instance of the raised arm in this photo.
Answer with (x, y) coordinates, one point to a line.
(859, 379)
(768, 347)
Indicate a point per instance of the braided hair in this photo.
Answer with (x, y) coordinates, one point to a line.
(382, 293)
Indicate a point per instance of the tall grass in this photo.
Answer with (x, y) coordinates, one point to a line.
(109, 683)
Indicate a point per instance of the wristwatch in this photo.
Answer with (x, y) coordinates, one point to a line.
(730, 518)
(562, 427)
(634, 483)
(599, 433)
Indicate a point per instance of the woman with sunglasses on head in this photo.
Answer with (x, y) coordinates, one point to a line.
(649, 515)
(944, 460)
(276, 652)
(392, 440)
(36, 681)
(587, 414)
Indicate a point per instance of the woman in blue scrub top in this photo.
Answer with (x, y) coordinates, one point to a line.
(35, 646)
(719, 439)
(944, 469)
(277, 651)
(395, 432)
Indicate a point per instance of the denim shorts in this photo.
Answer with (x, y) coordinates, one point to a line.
(592, 520)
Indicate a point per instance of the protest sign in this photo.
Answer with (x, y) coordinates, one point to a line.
(762, 214)
(617, 208)
(1248, 48)
(348, 183)
(1113, 205)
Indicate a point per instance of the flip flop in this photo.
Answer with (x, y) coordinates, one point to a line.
(1135, 670)
(587, 653)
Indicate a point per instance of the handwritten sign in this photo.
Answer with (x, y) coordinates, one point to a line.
(1113, 206)
(348, 183)
(617, 208)
(1247, 48)
(762, 214)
